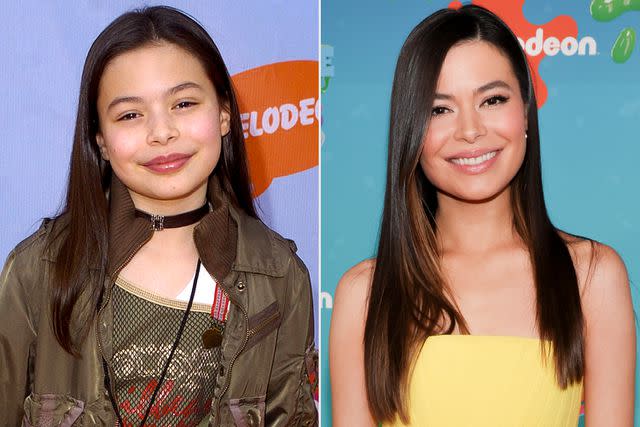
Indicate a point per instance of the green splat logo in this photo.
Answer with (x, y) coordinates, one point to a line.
(607, 10)
(326, 66)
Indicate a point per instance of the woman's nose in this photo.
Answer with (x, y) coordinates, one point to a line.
(469, 126)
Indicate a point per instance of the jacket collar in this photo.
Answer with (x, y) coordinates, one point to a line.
(215, 236)
(260, 250)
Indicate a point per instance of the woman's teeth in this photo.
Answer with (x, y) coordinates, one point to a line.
(475, 160)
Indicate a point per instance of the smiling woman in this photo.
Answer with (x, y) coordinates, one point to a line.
(470, 108)
(157, 295)
(476, 309)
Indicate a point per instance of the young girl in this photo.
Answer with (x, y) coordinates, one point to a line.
(477, 310)
(157, 296)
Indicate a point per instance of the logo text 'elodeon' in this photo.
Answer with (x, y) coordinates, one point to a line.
(284, 117)
(551, 46)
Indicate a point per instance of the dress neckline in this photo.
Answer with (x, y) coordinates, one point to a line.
(489, 337)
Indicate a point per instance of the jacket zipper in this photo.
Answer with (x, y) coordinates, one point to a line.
(249, 334)
(261, 326)
(235, 356)
(109, 372)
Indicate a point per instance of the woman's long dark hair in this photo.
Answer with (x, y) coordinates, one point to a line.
(410, 299)
(83, 222)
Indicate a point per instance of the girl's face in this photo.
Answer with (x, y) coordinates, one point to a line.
(160, 126)
(475, 142)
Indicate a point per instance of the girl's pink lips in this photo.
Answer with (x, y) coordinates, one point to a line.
(167, 164)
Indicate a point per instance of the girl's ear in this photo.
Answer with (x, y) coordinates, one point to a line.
(103, 147)
(225, 120)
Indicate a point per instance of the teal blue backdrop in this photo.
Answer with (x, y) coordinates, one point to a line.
(588, 119)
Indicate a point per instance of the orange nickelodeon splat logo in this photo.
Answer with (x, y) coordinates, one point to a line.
(280, 111)
(539, 41)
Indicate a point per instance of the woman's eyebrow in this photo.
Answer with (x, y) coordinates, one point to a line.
(443, 96)
(168, 92)
(493, 85)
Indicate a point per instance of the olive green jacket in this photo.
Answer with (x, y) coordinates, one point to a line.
(268, 367)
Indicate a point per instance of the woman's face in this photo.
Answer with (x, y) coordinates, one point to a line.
(475, 142)
(160, 126)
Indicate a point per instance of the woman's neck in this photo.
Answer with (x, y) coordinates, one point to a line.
(474, 227)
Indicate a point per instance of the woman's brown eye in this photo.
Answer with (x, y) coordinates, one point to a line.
(494, 100)
(438, 111)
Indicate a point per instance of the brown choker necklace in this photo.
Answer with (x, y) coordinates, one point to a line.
(160, 222)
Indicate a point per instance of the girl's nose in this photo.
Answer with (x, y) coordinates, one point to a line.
(162, 129)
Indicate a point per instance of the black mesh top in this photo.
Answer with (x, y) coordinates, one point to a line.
(145, 328)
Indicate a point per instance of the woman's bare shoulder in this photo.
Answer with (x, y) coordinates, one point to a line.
(360, 274)
(353, 287)
(599, 267)
(346, 346)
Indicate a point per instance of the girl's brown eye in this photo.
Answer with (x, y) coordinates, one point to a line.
(128, 116)
(185, 104)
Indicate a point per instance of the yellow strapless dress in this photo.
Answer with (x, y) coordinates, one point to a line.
(468, 380)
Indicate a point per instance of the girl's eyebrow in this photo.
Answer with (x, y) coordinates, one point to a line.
(168, 92)
(183, 86)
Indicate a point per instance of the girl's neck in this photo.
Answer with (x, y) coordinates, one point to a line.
(475, 227)
(165, 263)
(171, 240)
(170, 207)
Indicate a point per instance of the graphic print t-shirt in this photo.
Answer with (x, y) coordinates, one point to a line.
(145, 329)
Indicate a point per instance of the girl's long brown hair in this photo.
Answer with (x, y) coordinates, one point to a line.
(82, 227)
(409, 299)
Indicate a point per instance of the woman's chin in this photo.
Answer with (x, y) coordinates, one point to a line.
(477, 195)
